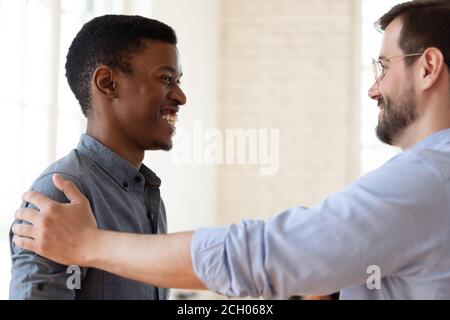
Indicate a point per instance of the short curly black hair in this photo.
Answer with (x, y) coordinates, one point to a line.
(111, 40)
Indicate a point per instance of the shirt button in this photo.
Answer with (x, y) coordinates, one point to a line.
(40, 286)
(137, 179)
(125, 185)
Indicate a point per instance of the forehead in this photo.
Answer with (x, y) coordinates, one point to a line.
(390, 45)
(156, 55)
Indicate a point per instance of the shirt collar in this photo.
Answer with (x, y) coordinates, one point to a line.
(434, 140)
(115, 166)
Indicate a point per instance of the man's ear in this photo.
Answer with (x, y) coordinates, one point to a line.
(432, 65)
(104, 81)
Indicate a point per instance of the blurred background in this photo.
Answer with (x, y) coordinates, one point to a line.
(299, 66)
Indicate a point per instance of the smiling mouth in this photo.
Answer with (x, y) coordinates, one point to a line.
(170, 117)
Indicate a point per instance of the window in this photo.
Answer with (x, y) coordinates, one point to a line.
(41, 120)
(373, 152)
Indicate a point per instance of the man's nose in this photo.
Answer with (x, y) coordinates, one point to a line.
(178, 95)
(374, 91)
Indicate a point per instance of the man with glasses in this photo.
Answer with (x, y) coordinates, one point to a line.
(386, 236)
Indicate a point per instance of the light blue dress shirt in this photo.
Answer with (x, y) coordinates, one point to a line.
(395, 220)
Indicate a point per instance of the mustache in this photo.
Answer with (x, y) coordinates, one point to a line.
(380, 102)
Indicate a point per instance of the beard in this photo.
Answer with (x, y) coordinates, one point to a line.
(397, 116)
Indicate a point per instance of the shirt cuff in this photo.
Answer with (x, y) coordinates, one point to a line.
(208, 258)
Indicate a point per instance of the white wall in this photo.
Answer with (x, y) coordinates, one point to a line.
(293, 65)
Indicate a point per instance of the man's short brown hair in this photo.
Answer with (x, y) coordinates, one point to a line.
(426, 23)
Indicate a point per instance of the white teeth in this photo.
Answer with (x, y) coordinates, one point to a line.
(171, 118)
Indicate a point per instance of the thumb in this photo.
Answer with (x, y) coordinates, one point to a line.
(69, 188)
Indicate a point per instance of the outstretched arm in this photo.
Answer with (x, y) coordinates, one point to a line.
(68, 234)
(376, 221)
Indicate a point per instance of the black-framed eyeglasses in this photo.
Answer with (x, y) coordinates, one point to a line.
(378, 68)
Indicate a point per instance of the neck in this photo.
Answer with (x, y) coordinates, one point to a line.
(116, 142)
(428, 124)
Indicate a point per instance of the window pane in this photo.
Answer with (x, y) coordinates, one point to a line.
(35, 142)
(77, 7)
(12, 53)
(11, 138)
(38, 70)
(70, 118)
(70, 128)
(70, 25)
(101, 7)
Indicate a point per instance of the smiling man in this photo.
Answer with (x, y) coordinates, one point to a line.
(385, 236)
(125, 73)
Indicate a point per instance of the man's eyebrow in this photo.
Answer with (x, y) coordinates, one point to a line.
(171, 69)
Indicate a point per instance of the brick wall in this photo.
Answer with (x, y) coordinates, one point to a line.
(292, 65)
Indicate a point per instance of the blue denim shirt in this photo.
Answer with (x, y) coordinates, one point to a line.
(392, 224)
(122, 197)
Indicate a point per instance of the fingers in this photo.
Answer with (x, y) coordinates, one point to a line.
(23, 230)
(37, 199)
(69, 188)
(27, 214)
(24, 243)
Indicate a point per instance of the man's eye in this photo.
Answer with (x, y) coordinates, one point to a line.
(166, 79)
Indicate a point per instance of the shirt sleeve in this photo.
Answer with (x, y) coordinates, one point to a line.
(32, 276)
(395, 218)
